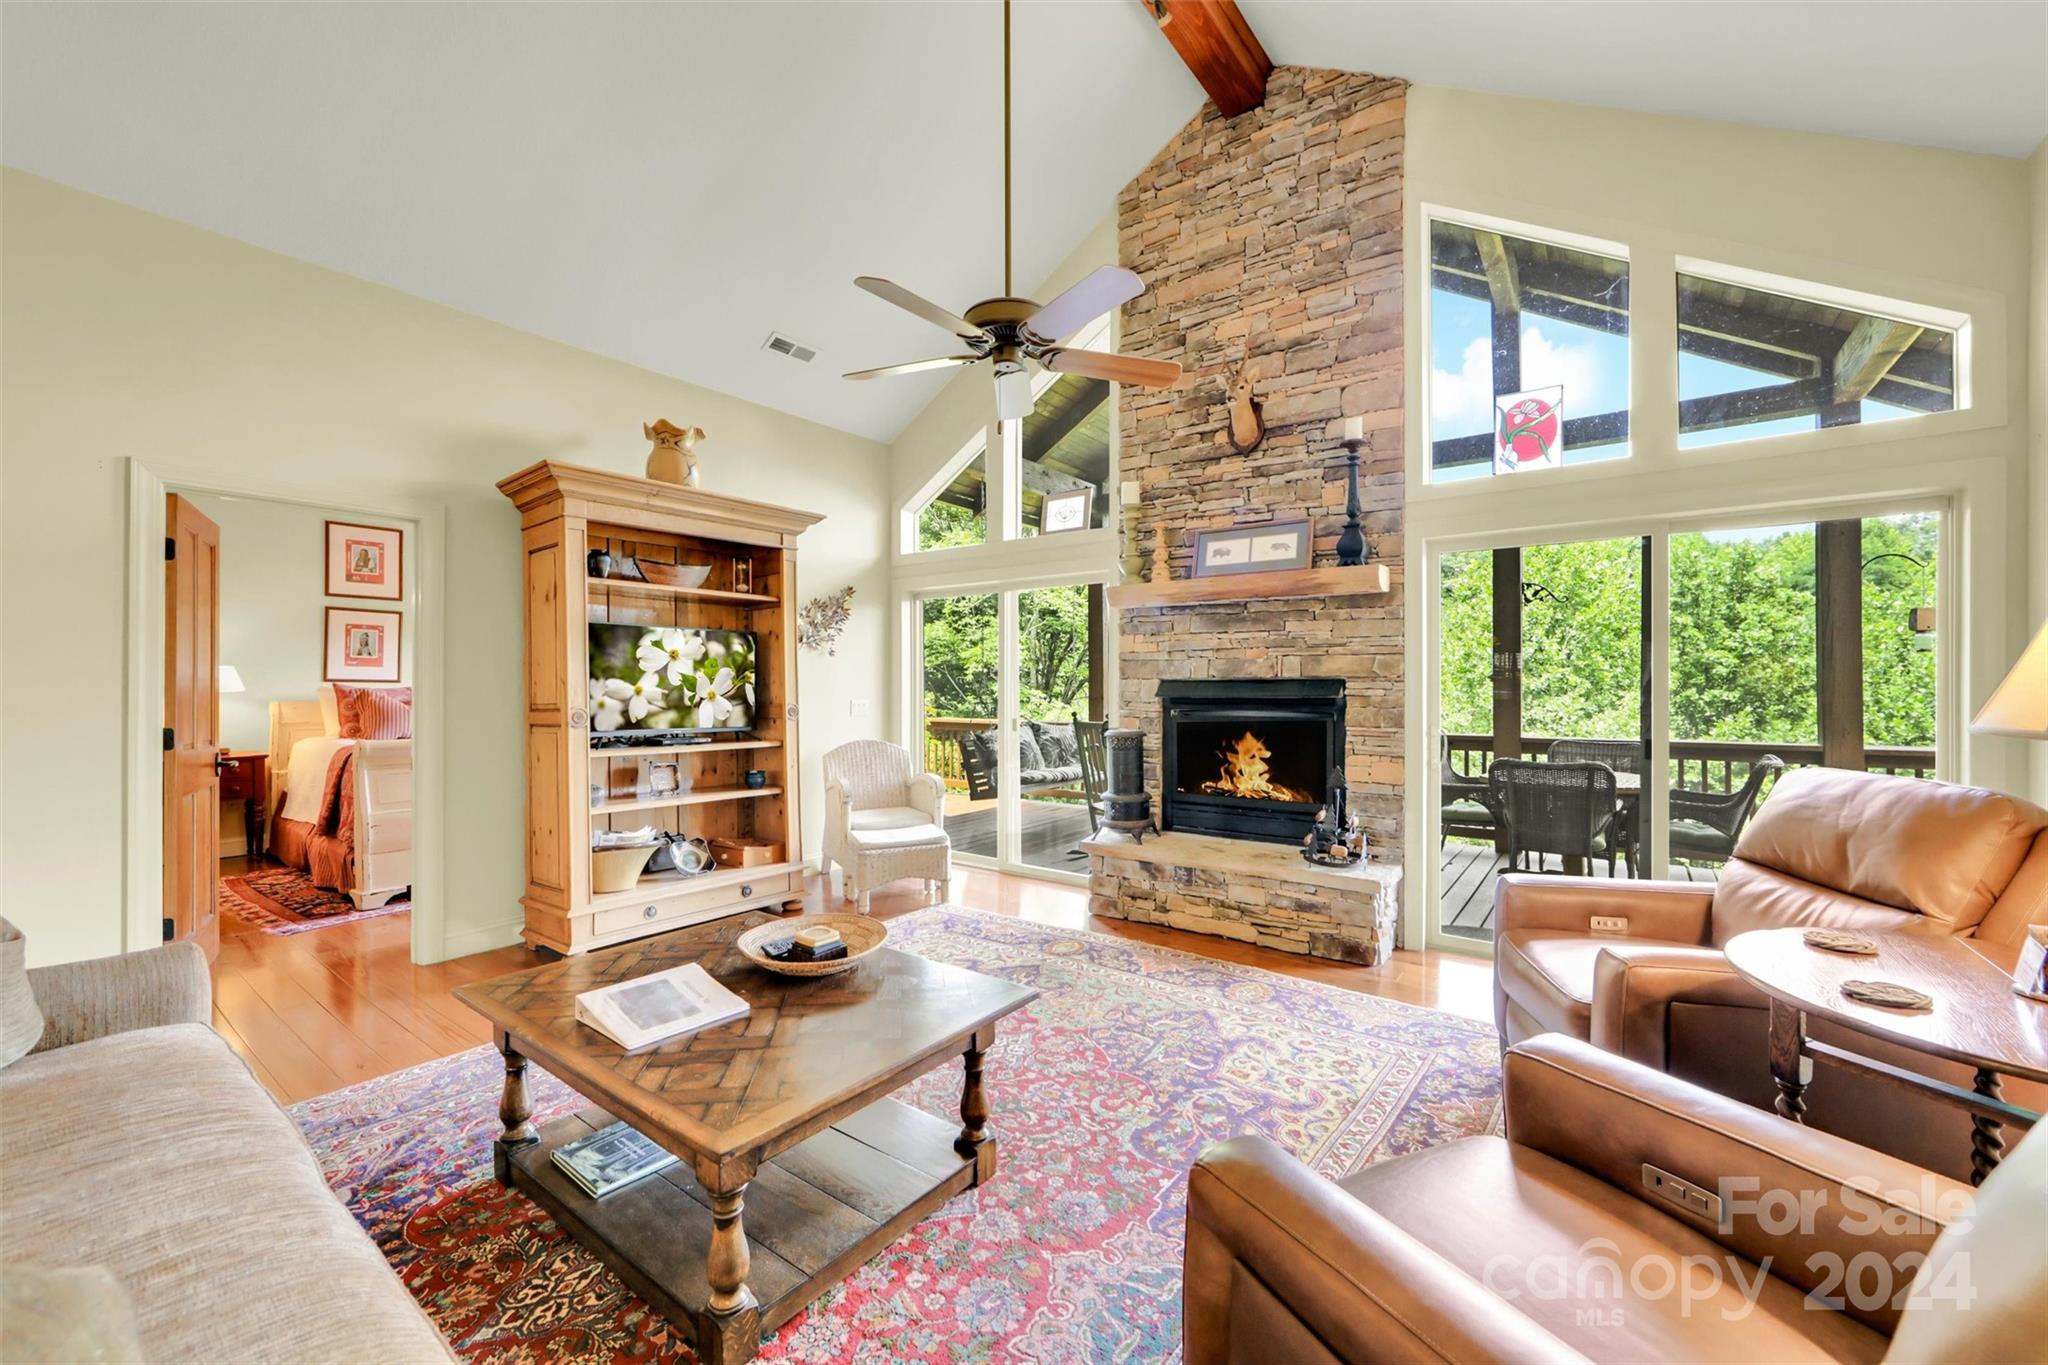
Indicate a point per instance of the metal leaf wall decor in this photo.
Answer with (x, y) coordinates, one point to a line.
(819, 621)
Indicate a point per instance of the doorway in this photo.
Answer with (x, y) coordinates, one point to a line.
(262, 675)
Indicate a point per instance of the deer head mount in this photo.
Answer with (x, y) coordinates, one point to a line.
(1247, 425)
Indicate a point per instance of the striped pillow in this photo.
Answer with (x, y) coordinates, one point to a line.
(374, 712)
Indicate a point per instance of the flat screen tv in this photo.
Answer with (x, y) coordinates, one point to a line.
(652, 680)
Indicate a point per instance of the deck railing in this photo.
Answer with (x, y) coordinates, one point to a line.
(1706, 765)
(942, 735)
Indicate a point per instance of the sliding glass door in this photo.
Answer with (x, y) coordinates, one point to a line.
(1795, 643)
(1008, 737)
(1543, 743)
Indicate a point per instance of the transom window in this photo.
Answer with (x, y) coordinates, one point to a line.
(1753, 363)
(1528, 354)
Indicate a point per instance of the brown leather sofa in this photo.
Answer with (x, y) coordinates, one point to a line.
(1548, 1245)
(1843, 849)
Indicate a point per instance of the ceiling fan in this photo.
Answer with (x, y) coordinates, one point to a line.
(1011, 332)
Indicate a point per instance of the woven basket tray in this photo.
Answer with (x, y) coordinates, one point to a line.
(862, 936)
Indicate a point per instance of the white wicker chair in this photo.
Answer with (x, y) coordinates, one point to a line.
(884, 819)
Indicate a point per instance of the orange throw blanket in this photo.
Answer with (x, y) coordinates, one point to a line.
(331, 846)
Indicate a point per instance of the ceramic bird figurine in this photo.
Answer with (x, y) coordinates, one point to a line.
(674, 457)
(1247, 423)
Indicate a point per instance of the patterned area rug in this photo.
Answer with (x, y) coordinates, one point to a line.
(1105, 1088)
(283, 900)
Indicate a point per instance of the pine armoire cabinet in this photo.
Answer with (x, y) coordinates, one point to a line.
(573, 789)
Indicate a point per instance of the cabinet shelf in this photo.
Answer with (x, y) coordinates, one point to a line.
(719, 746)
(655, 886)
(703, 796)
(627, 585)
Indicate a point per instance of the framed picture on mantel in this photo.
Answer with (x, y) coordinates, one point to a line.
(1254, 549)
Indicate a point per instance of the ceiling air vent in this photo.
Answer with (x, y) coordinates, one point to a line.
(795, 350)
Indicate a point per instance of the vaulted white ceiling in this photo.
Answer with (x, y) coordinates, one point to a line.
(666, 184)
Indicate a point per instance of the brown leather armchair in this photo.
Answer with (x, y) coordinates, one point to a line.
(1835, 848)
(1548, 1244)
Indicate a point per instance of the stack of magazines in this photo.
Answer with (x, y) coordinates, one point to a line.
(611, 1158)
(646, 1010)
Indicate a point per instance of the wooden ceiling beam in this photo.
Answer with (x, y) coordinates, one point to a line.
(1872, 348)
(1218, 45)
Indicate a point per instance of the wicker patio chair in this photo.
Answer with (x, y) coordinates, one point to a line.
(1705, 825)
(1562, 808)
(1465, 809)
(1622, 755)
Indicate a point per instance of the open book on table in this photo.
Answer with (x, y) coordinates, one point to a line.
(652, 1009)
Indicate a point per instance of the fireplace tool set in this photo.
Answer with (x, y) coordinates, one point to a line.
(1336, 839)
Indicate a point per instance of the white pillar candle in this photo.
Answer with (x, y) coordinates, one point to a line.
(1130, 493)
(1354, 428)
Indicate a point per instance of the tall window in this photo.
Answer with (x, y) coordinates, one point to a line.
(958, 513)
(1753, 363)
(1065, 467)
(1528, 354)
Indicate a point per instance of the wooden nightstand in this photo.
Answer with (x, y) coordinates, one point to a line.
(244, 778)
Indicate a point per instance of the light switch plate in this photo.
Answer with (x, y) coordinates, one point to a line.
(1610, 924)
(858, 706)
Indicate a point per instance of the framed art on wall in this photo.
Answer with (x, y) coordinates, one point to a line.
(362, 646)
(1066, 511)
(365, 561)
(1254, 549)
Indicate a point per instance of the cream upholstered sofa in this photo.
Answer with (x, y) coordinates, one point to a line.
(133, 1140)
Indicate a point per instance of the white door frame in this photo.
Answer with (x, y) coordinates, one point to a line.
(142, 731)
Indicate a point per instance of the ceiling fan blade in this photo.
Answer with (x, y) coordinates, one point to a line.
(1124, 369)
(1013, 395)
(1090, 299)
(913, 366)
(924, 308)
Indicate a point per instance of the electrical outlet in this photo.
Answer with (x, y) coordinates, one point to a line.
(858, 706)
(1609, 924)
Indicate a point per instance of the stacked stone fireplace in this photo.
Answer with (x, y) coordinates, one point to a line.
(1270, 244)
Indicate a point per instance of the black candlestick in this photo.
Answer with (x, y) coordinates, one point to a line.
(1351, 546)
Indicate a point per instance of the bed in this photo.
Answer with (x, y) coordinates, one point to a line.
(342, 808)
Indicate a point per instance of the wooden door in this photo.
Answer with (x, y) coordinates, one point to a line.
(191, 726)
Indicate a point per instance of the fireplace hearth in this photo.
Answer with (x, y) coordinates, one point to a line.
(1248, 758)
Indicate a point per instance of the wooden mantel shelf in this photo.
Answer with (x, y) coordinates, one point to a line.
(1330, 581)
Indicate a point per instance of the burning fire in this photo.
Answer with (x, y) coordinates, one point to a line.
(1245, 774)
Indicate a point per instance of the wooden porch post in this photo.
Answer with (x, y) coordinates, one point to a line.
(1098, 641)
(1838, 633)
(1507, 661)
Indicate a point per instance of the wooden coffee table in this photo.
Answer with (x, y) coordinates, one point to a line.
(784, 1113)
(1977, 1020)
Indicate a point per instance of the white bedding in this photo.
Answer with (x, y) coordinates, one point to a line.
(306, 776)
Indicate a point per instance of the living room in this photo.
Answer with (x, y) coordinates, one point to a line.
(1336, 727)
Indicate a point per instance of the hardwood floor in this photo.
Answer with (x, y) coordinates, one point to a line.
(317, 1011)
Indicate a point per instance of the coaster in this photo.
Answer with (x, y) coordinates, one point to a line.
(1888, 994)
(1840, 941)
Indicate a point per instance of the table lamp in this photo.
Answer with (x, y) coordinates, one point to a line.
(230, 681)
(2019, 707)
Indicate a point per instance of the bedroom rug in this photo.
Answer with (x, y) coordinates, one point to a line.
(283, 900)
(1132, 1059)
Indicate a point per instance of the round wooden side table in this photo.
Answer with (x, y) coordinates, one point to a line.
(1977, 1019)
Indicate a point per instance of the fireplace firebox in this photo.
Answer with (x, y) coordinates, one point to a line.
(1248, 758)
